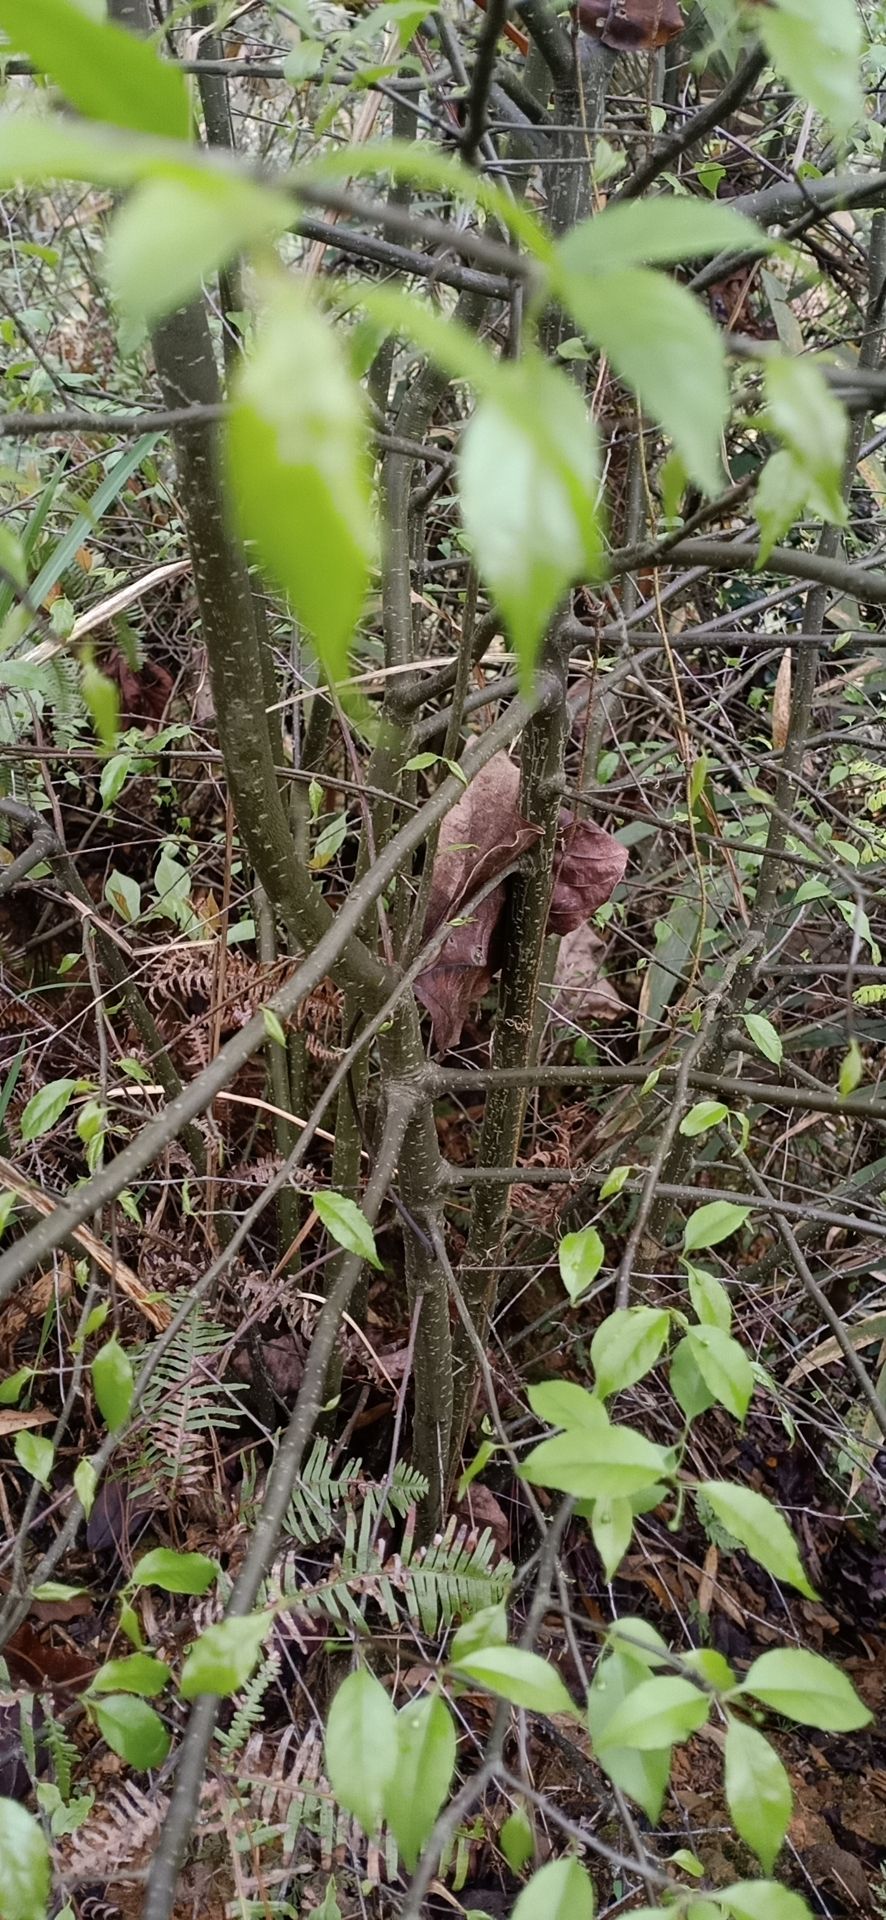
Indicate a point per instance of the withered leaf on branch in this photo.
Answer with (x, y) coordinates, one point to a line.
(580, 994)
(482, 837)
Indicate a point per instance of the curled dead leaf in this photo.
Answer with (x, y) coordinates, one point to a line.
(580, 993)
(587, 869)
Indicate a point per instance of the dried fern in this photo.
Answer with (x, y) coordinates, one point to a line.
(117, 1833)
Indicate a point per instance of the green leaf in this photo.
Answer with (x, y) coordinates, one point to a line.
(85, 1485)
(488, 1628)
(814, 427)
(133, 1673)
(514, 1674)
(175, 231)
(581, 1256)
(328, 842)
(124, 895)
(57, 1590)
(423, 1776)
(132, 1729)
(614, 1182)
(704, 1115)
(112, 1383)
(805, 1687)
(105, 72)
(225, 1656)
(758, 1792)
(517, 1840)
(724, 1368)
(816, 45)
(659, 231)
(626, 1345)
(12, 1387)
(663, 342)
(760, 1529)
(25, 1873)
(851, 1070)
(710, 1299)
(362, 1748)
(690, 1391)
(35, 1456)
(613, 1462)
(102, 701)
(46, 1107)
(762, 1900)
(659, 1713)
(175, 1572)
(296, 452)
(344, 1221)
(764, 1037)
(717, 1220)
(272, 1026)
(642, 1775)
(560, 1891)
(612, 1523)
(562, 1403)
(782, 492)
(528, 480)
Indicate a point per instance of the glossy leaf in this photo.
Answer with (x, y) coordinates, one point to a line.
(717, 1220)
(175, 1572)
(528, 480)
(343, 1219)
(45, 1108)
(758, 1792)
(658, 231)
(132, 1729)
(658, 1713)
(760, 1529)
(560, 1891)
(25, 1873)
(425, 1765)
(724, 1367)
(296, 453)
(105, 72)
(112, 1383)
(805, 1687)
(517, 1675)
(362, 1748)
(664, 344)
(613, 1462)
(580, 1257)
(700, 1118)
(225, 1656)
(626, 1345)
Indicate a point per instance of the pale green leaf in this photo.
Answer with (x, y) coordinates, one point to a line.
(815, 45)
(105, 72)
(614, 1182)
(488, 1628)
(717, 1220)
(851, 1070)
(132, 1673)
(176, 230)
(659, 1713)
(45, 1108)
(35, 1455)
(760, 1529)
(343, 1220)
(563, 1403)
(273, 1026)
(112, 1383)
(562, 1890)
(132, 1729)
(296, 453)
(782, 492)
(724, 1367)
(762, 1900)
(85, 1485)
(700, 1118)
(423, 1775)
(609, 1463)
(612, 1523)
(664, 344)
(626, 1345)
(224, 1657)
(710, 1300)
(758, 1792)
(580, 1256)
(765, 1038)
(517, 1840)
(25, 1873)
(690, 1391)
(658, 231)
(175, 1572)
(805, 1687)
(644, 1776)
(514, 1674)
(362, 1748)
(814, 427)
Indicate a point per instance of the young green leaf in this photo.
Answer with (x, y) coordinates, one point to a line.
(362, 1747)
(35, 1456)
(272, 1026)
(758, 1792)
(762, 1900)
(105, 72)
(132, 1729)
(45, 1108)
(814, 427)
(659, 231)
(344, 1221)
(296, 453)
(560, 1891)
(528, 480)
(488, 1628)
(614, 1182)
(611, 1463)
(581, 1256)
(815, 45)
(132, 1673)
(112, 1383)
(563, 1403)
(25, 1872)
(764, 1037)
(225, 1656)
(612, 1523)
(514, 1674)
(423, 1775)
(642, 1775)
(175, 1572)
(691, 1392)
(851, 1070)
(658, 1713)
(782, 492)
(175, 231)
(517, 1840)
(664, 344)
(710, 1300)
(761, 1530)
(805, 1687)
(626, 1346)
(12, 1387)
(704, 1115)
(717, 1220)
(724, 1368)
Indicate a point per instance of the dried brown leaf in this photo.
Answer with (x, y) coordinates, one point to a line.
(781, 703)
(587, 870)
(580, 993)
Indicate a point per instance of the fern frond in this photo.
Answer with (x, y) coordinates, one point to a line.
(435, 1585)
(185, 1402)
(62, 1751)
(249, 1709)
(321, 1493)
